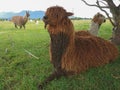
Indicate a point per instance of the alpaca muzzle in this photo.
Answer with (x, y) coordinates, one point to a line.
(45, 21)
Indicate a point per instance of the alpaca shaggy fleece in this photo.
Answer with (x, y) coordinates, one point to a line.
(73, 52)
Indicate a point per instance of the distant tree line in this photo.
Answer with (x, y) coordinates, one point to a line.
(79, 18)
(72, 18)
(4, 19)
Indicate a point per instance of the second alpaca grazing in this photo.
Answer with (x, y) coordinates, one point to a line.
(71, 53)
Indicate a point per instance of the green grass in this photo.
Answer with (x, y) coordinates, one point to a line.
(20, 71)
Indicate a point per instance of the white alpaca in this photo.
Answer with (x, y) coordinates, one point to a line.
(96, 22)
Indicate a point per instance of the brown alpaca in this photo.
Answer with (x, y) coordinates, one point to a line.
(20, 20)
(71, 53)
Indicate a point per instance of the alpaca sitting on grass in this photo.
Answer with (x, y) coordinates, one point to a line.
(20, 20)
(70, 53)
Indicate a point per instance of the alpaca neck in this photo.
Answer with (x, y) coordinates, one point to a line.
(25, 19)
(94, 28)
(62, 36)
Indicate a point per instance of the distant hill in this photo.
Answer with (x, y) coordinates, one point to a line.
(33, 14)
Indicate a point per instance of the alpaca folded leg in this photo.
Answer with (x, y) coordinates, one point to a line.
(46, 81)
(56, 74)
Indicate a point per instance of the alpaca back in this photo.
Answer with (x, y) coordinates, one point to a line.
(88, 52)
(82, 33)
(18, 20)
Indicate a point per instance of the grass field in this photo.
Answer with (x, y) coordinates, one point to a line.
(21, 71)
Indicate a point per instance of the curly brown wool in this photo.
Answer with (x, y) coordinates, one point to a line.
(73, 52)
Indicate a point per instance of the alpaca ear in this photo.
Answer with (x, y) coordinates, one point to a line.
(69, 14)
(27, 12)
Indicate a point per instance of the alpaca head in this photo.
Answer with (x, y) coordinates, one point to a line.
(99, 18)
(27, 13)
(54, 15)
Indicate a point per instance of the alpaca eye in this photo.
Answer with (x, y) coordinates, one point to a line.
(45, 17)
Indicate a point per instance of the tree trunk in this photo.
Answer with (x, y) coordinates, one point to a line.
(116, 35)
(116, 18)
(116, 29)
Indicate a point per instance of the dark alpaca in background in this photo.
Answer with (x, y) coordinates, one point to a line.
(20, 20)
(72, 53)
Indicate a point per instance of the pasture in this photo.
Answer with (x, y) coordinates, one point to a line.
(19, 70)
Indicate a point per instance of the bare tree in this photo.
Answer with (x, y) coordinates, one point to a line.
(103, 5)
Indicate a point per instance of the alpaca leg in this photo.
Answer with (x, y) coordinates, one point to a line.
(20, 27)
(56, 74)
(24, 26)
(46, 81)
(16, 26)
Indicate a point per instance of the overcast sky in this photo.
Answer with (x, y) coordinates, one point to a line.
(76, 6)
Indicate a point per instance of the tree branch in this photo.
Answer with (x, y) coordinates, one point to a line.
(105, 13)
(89, 4)
(104, 3)
(110, 3)
(94, 5)
(101, 8)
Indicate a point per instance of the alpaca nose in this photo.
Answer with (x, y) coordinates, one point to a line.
(45, 17)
